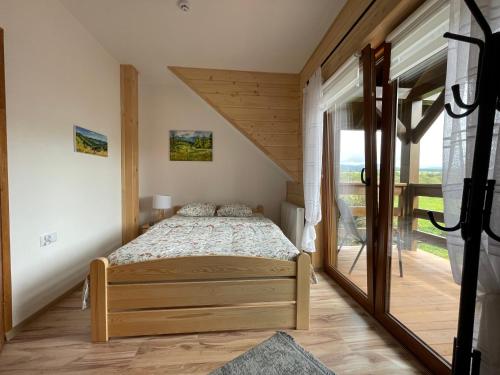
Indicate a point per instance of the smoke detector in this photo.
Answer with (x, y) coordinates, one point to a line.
(183, 5)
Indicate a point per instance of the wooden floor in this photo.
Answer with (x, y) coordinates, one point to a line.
(425, 299)
(342, 335)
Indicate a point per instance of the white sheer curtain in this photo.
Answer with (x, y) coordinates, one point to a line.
(313, 153)
(459, 138)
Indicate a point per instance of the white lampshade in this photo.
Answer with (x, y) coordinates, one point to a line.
(162, 202)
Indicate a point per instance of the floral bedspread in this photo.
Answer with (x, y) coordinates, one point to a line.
(198, 236)
(181, 236)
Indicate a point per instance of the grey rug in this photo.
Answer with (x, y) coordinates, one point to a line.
(278, 355)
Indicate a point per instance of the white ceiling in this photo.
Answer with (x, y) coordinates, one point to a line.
(261, 35)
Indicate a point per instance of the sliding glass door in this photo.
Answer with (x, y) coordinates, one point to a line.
(351, 167)
(417, 298)
(422, 295)
(382, 174)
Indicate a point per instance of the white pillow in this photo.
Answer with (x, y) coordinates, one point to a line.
(197, 209)
(234, 210)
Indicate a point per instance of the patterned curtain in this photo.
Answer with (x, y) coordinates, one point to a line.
(313, 153)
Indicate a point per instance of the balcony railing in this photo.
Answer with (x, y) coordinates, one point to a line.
(427, 190)
(406, 210)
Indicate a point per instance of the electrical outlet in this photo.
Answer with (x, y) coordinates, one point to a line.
(48, 238)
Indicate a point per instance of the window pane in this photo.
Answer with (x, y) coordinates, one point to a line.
(350, 193)
(423, 295)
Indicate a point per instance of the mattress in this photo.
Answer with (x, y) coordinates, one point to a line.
(179, 236)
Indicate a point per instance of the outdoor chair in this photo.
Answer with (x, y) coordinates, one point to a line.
(349, 224)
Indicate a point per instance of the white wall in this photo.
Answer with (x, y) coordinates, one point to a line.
(239, 171)
(57, 75)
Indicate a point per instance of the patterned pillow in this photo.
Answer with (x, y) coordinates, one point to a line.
(197, 209)
(234, 210)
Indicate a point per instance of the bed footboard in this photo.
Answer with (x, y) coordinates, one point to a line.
(198, 294)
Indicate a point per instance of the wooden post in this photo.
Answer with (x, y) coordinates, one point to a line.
(401, 209)
(410, 165)
(329, 207)
(5, 272)
(303, 290)
(413, 221)
(130, 152)
(99, 299)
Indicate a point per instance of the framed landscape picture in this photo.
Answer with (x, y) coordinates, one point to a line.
(191, 145)
(90, 142)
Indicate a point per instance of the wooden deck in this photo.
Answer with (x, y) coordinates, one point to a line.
(342, 336)
(425, 299)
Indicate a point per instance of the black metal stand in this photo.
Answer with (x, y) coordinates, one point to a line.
(478, 191)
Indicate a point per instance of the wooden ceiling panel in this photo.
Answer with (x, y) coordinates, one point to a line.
(265, 107)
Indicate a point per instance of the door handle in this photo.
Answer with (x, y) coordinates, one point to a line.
(363, 180)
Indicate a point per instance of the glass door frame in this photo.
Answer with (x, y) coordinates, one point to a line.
(383, 263)
(379, 216)
(329, 207)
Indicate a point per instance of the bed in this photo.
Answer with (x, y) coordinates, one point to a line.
(190, 275)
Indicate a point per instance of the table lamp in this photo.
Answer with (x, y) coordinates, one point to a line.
(161, 203)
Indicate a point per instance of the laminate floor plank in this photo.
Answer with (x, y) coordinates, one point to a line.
(342, 335)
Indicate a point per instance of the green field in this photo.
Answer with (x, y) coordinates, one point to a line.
(431, 204)
(186, 152)
(426, 203)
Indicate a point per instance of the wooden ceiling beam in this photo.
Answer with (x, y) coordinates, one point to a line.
(431, 80)
(400, 127)
(428, 119)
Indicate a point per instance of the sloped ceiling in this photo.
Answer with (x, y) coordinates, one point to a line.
(257, 35)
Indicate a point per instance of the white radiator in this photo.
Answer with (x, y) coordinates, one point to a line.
(292, 222)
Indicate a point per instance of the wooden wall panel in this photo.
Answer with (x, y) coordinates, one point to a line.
(265, 107)
(295, 193)
(129, 86)
(5, 279)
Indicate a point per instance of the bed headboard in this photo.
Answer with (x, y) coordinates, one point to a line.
(292, 222)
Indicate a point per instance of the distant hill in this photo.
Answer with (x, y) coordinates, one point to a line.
(358, 167)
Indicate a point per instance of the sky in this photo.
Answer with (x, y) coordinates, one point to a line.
(431, 147)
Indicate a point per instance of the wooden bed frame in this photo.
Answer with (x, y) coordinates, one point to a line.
(198, 294)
